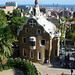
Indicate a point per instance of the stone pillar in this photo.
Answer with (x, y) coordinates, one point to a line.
(50, 49)
(58, 45)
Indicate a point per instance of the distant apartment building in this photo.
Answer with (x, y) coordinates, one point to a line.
(72, 24)
(65, 13)
(11, 4)
(7, 8)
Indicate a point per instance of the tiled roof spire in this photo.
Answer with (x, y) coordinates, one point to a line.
(36, 2)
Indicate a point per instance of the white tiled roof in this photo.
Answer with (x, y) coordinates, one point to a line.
(48, 26)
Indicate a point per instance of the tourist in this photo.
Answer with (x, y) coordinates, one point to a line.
(71, 71)
(62, 74)
(47, 61)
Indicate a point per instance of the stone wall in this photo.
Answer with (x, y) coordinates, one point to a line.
(51, 45)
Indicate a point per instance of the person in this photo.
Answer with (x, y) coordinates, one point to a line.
(68, 57)
(71, 71)
(62, 74)
(47, 61)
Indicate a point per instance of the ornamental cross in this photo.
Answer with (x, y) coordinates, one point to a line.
(32, 23)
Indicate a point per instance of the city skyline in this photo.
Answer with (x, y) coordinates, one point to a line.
(70, 2)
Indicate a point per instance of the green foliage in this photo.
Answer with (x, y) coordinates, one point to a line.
(71, 34)
(9, 12)
(30, 70)
(16, 23)
(2, 13)
(25, 66)
(39, 73)
(6, 67)
(1, 68)
(15, 11)
(73, 19)
(3, 21)
(63, 27)
(10, 62)
(6, 39)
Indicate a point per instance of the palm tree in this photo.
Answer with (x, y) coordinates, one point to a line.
(63, 27)
(6, 41)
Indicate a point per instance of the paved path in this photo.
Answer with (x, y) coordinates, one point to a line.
(11, 72)
(48, 69)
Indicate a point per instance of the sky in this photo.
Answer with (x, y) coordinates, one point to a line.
(71, 2)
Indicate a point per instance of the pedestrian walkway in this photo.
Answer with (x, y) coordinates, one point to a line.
(48, 69)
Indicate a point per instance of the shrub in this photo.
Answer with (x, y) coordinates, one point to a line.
(10, 62)
(1, 68)
(6, 67)
(17, 63)
(24, 65)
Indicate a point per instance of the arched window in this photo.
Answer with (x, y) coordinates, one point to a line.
(43, 42)
(26, 31)
(24, 52)
(32, 43)
(31, 54)
(38, 31)
(39, 55)
(23, 40)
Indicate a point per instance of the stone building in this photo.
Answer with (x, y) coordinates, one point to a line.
(38, 38)
(72, 25)
(7, 8)
(11, 4)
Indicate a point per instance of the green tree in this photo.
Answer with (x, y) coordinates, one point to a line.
(15, 11)
(63, 27)
(2, 13)
(8, 12)
(16, 23)
(5, 38)
(3, 21)
(71, 34)
(5, 42)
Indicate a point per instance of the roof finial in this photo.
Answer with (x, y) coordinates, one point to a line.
(36, 2)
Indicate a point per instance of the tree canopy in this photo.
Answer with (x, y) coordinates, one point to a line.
(71, 34)
(73, 19)
(5, 37)
(2, 12)
(16, 22)
(15, 11)
(63, 27)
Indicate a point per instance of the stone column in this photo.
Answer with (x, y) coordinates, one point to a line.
(58, 45)
(50, 49)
